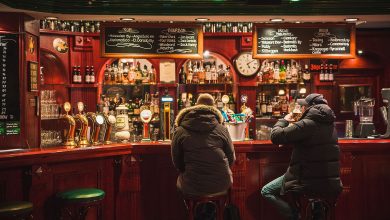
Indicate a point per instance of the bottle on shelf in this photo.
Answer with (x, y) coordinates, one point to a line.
(326, 73)
(214, 74)
(269, 107)
(145, 75)
(132, 73)
(228, 75)
(74, 74)
(263, 105)
(152, 75)
(112, 75)
(295, 72)
(87, 77)
(79, 78)
(218, 101)
(288, 73)
(220, 74)
(280, 72)
(331, 75)
(182, 76)
(322, 74)
(125, 74)
(106, 74)
(190, 73)
(207, 74)
(306, 74)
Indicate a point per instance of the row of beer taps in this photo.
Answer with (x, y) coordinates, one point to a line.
(90, 123)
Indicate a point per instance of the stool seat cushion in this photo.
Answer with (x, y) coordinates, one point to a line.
(15, 208)
(82, 195)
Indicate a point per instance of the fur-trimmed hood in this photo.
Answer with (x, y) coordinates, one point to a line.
(199, 117)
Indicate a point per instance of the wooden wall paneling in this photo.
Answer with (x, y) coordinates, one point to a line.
(159, 196)
(85, 95)
(127, 194)
(11, 185)
(238, 191)
(49, 179)
(11, 22)
(345, 200)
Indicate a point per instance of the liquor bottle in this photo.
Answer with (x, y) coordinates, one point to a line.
(132, 73)
(138, 74)
(276, 72)
(79, 79)
(284, 106)
(112, 75)
(322, 75)
(331, 75)
(276, 108)
(116, 75)
(214, 74)
(220, 74)
(326, 74)
(188, 101)
(92, 75)
(74, 73)
(258, 105)
(282, 72)
(190, 73)
(228, 75)
(295, 72)
(136, 108)
(195, 70)
(180, 104)
(182, 76)
(201, 73)
(263, 105)
(269, 107)
(306, 74)
(145, 75)
(208, 74)
(130, 108)
(288, 73)
(125, 74)
(152, 75)
(106, 74)
(87, 77)
(231, 104)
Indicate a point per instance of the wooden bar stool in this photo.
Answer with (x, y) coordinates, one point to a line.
(16, 210)
(219, 200)
(306, 204)
(80, 200)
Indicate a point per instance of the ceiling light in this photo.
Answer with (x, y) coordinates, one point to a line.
(360, 52)
(276, 19)
(206, 53)
(351, 19)
(51, 18)
(298, 22)
(127, 19)
(201, 19)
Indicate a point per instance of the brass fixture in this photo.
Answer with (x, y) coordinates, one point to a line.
(83, 142)
(69, 135)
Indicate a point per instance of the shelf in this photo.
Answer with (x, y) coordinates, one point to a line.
(206, 84)
(168, 85)
(50, 119)
(82, 85)
(277, 84)
(227, 34)
(124, 84)
(44, 31)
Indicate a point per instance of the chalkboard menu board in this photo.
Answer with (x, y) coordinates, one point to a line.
(9, 84)
(325, 40)
(151, 40)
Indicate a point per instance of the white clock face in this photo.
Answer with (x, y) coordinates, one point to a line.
(246, 65)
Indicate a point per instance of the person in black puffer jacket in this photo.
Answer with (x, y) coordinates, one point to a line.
(315, 164)
(202, 150)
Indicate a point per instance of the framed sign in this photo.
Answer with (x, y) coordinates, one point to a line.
(317, 40)
(32, 74)
(160, 40)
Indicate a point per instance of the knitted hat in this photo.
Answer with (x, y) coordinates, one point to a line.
(312, 99)
(205, 99)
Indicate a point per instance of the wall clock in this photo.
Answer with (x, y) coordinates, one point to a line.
(246, 65)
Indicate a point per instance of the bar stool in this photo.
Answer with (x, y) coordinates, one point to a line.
(80, 199)
(16, 210)
(219, 200)
(305, 203)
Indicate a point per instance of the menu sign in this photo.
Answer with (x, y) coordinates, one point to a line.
(151, 40)
(304, 41)
(9, 84)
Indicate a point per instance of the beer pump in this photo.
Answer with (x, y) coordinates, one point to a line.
(96, 121)
(69, 134)
(146, 117)
(385, 111)
(83, 141)
(109, 121)
(167, 116)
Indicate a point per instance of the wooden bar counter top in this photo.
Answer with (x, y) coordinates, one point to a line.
(139, 177)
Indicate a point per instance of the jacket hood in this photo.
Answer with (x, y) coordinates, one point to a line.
(321, 113)
(199, 118)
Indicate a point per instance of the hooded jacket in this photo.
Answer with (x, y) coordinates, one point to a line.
(315, 164)
(202, 151)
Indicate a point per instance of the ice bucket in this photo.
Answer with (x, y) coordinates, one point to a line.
(236, 130)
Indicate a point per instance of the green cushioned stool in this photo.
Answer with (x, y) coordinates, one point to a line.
(81, 199)
(16, 210)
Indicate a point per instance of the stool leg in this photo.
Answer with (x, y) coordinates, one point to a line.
(83, 211)
(220, 206)
(190, 208)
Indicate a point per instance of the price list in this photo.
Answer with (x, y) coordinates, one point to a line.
(304, 41)
(9, 85)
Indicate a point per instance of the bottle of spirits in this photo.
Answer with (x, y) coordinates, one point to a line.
(214, 74)
(138, 74)
(145, 75)
(74, 73)
(269, 107)
(112, 75)
(221, 74)
(326, 73)
(132, 73)
(92, 75)
(181, 76)
(87, 77)
(282, 72)
(231, 103)
(106, 74)
(295, 72)
(276, 108)
(322, 74)
(218, 101)
(125, 74)
(152, 75)
(288, 73)
(201, 73)
(207, 74)
(190, 73)
(284, 106)
(228, 75)
(195, 70)
(331, 76)
(263, 105)
(276, 72)
(306, 74)
(258, 105)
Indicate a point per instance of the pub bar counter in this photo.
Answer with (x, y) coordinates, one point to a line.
(89, 101)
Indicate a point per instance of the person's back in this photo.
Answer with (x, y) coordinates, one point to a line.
(202, 151)
(314, 166)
